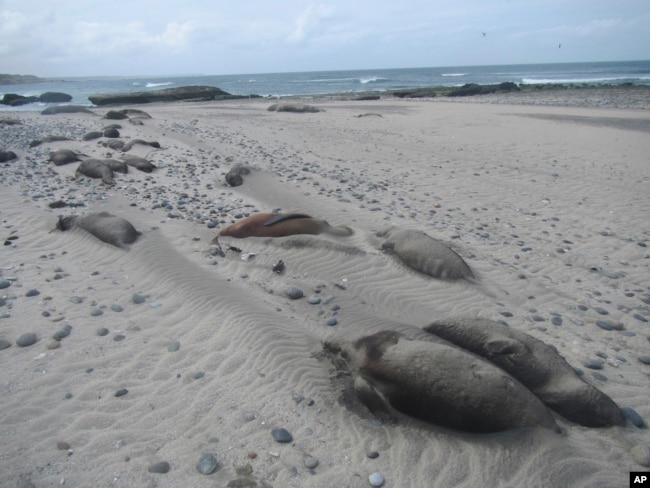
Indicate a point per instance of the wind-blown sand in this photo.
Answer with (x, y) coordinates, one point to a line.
(548, 205)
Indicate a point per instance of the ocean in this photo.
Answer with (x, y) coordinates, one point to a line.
(323, 82)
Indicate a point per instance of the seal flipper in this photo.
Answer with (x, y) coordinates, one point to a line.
(281, 217)
(373, 400)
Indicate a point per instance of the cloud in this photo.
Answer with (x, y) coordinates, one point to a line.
(310, 23)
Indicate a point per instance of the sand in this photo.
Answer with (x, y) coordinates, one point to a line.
(548, 204)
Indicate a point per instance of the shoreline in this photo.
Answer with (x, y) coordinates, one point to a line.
(547, 205)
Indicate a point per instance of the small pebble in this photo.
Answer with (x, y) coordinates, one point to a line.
(119, 337)
(198, 375)
(207, 464)
(281, 435)
(32, 293)
(330, 321)
(634, 417)
(593, 364)
(138, 298)
(96, 312)
(62, 332)
(314, 300)
(311, 462)
(102, 331)
(62, 446)
(294, 292)
(121, 392)
(53, 344)
(116, 308)
(506, 314)
(174, 346)
(161, 467)
(641, 454)
(4, 283)
(4, 344)
(373, 454)
(605, 325)
(556, 321)
(376, 479)
(26, 340)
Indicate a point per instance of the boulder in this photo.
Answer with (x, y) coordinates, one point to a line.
(14, 100)
(54, 97)
(165, 95)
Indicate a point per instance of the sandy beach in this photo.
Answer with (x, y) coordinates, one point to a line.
(546, 198)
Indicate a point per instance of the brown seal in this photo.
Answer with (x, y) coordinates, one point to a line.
(104, 226)
(279, 225)
(139, 163)
(437, 383)
(64, 156)
(535, 364)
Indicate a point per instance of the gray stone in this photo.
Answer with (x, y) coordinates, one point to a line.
(26, 340)
(207, 464)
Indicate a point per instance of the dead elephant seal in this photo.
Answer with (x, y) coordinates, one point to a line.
(535, 364)
(293, 107)
(139, 163)
(94, 168)
(234, 176)
(6, 155)
(64, 156)
(127, 147)
(104, 226)
(437, 383)
(279, 225)
(425, 254)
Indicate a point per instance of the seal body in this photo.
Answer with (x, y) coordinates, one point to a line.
(536, 365)
(94, 168)
(139, 163)
(63, 156)
(437, 383)
(281, 225)
(234, 176)
(104, 226)
(425, 254)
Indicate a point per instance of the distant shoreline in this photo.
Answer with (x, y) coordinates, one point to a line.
(6, 79)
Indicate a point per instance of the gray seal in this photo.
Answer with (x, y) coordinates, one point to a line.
(94, 168)
(139, 163)
(104, 226)
(425, 254)
(63, 156)
(437, 383)
(535, 364)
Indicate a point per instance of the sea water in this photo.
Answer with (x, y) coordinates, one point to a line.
(323, 82)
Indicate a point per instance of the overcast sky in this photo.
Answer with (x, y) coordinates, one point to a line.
(164, 37)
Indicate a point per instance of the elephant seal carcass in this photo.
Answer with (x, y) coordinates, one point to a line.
(425, 254)
(437, 383)
(94, 168)
(535, 364)
(104, 226)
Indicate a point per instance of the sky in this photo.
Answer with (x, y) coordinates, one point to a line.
(51, 38)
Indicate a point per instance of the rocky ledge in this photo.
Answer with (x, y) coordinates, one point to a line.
(164, 95)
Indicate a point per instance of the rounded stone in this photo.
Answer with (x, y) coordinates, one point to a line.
(294, 292)
(281, 435)
(62, 446)
(174, 346)
(32, 293)
(161, 467)
(62, 332)
(641, 454)
(4, 344)
(138, 298)
(26, 340)
(314, 300)
(557, 321)
(593, 364)
(207, 464)
(330, 321)
(645, 359)
(53, 344)
(116, 308)
(4, 283)
(96, 312)
(121, 392)
(605, 325)
(102, 331)
(311, 462)
(376, 479)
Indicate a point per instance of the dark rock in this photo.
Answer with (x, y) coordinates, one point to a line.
(7, 156)
(54, 97)
(161, 467)
(27, 339)
(112, 133)
(281, 435)
(207, 464)
(121, 392)
(62, 332)
(164, 95)
(634, 417)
